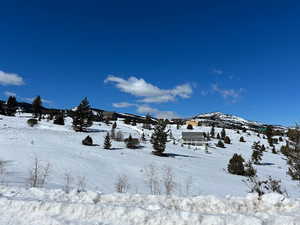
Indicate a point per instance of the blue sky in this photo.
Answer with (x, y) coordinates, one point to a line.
(174, 58)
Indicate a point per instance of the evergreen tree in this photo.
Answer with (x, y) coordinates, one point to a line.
(250, 171)
(189, 127)
(127, 120)
(2, 112)
(227, 140)
(218, 136)
(274, 150)
(107, 142)
(82, 117)
(212, 132)
(242, 139)
(143, 138)
(130, 143)
(113, 134)
(256, 156)
(114, 126)
(37, 106)
(223, 133)
(59, 119)
(11, 106)
(220, 144)
(100, 117)
(159, 138)
(236, 165)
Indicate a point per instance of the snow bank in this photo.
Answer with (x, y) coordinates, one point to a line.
(33, 206)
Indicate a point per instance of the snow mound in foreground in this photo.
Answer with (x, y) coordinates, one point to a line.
(33, 206)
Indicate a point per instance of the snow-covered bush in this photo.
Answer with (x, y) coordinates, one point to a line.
(32, 122)
(220, 144)
(87, 141)
(236, 165)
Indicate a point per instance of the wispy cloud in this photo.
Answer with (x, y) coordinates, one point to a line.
(10, 79)
(149, 92)
(232, 94)
(217, 71)
(144, 109)
(9, 93)
(123, 104)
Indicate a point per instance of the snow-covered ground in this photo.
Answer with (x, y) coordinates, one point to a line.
(202, 184)
(19, 206)
(99, 169)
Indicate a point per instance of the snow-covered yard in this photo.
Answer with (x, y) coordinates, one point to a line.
(61, 147)
(33, 206)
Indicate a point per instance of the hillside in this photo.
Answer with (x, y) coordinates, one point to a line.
(205, 173)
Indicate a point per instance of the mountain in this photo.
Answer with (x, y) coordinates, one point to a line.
(231, 121)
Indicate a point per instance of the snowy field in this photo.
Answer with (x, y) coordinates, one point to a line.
(195, 171)
(202, 185)
(33, 206)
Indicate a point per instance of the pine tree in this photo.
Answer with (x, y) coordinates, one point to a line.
(256, 156)
(143, 138)
(59, 119)
(37, 106)
(159, 138)
(227, 140)
(242, 139)
(130, 143)
(2, 108)
(114, 126)
(220, 144)
(82, 117)
(107, 142)
(223, 133)
(189, 127)
(212, 132)
(11, 105)
(218, 136)
(236, 165)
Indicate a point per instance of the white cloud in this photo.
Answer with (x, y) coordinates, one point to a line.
(8, 93)
(228, 93)
(150, 93)
(10, 79)
(144, 109)
(123, 104)
(158, 99)
(217, 71)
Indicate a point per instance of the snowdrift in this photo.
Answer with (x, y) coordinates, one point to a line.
(20, 206)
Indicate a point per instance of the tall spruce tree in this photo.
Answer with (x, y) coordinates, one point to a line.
(107, 142)
(159, 138)
(82, 117)
(223, 133)
(11, 106)
(37, 106)
(212, 132)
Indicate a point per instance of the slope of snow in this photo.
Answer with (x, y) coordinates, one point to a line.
(19, 206)
(100, 169)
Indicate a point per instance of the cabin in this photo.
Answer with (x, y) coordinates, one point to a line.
(194, 138)
(192, 122)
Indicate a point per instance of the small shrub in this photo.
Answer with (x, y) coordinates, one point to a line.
(132, 143)
(189, 127)
(122, 184)
(87, 141)
(236, 165)
(262, 187)
(227, 140)
(256, 156)
(250, 171)
(119, 136)
(32, 122)
(59, 119)
(220, 144)
(242, 139)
